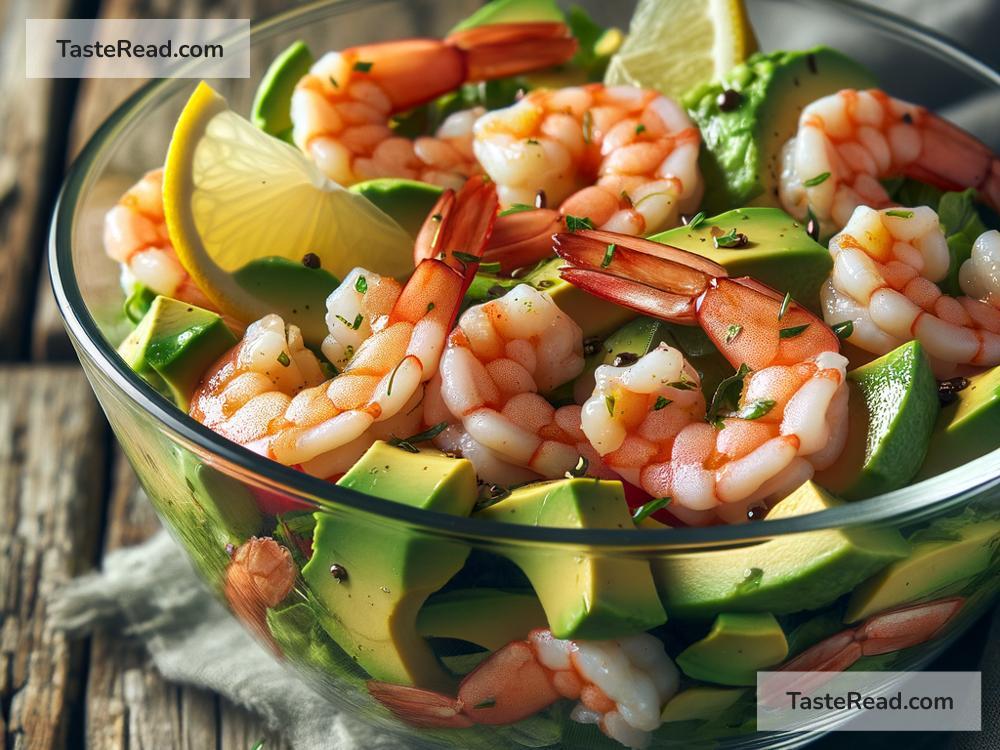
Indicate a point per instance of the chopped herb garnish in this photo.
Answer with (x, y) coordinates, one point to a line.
(661, 403)
(792, 332)
(532, 142)
(756, 409)
(392, 378)
(465, 257)
(358, 320)
(784, 305)
(817, 180)
(516, 208)
(640, 129)
(732, 238)
(409, 444)
(363, 66)
(490, 267)
(361, 285)
(608, 255)
(645, 510)
(899, 214)
(490, 494)
(488, 703)
(682, 385)
(609, 401)
(576, 223)
(580, 469)
(284, 360)
(732, 331)
(258, 745)
(588, 127)
(844, 329)
(430, 306)
(727, 395)
(697, 220)
(334, 82)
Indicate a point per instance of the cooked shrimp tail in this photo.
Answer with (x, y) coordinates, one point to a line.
(459, 223)
(507, 49)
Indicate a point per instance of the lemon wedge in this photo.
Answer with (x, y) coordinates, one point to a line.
(674, 45)
(233, 195)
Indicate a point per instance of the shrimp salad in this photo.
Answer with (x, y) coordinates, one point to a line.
(600, 323)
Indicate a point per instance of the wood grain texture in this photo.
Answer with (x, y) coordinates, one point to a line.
(33, 119)
(51, 491)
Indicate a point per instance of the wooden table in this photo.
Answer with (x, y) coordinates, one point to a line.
(67, 495)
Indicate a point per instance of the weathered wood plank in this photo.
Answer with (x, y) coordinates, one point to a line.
(52, 462)
(33, 120)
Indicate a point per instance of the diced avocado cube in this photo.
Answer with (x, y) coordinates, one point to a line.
(779, 251)
(384, 571)
(786, 574)
(584, 594)
(173, 346)
(702, 703)
(737, 646)
(892, 409)
(490, 618)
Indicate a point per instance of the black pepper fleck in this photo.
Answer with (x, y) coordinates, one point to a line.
(811, 60)
(907, 118)
(311, 260)
(756, 512)
(729, 100)
(625, 359)
(948, 389)
(591, 346)
(339, 573)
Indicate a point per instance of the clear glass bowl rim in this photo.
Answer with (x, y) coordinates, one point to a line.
(906, 505)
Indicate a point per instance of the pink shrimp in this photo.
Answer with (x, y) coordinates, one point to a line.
(645, 419)
(621, 686)
(299, 421)
(135, 235)
(259, 576)
(850, 140)
(341, 109)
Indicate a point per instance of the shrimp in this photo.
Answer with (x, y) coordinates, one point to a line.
(341, 109)
(624, 157)
(259, 576)
(380, 379)
(621, 685)
(135, 235)
(498, 361)
(848, 141)
(646, 419)
(885, 267)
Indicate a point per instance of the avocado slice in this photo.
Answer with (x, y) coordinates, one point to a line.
(741, 157)
(407, 201)
(786, 574)
(173, 345)
(968, 428)
(949, 551)
(292, 290)
(699, 703)
(511, 11)
(490, 618)
(779, 251)
(389, 571)
(272, 104)
(737, 646)
(584, 594)
(301, 638)
(892, 408)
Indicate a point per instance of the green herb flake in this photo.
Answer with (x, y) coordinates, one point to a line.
(661, 403)
(361, 285)
(756, 409)
(588, 127)
(608, 255)
(732, 238)
(609, 401)
(334, 82)
(727, 393)
(258, 745)
(392, 378)
(844, 329)
(465, 257)
(732, 331)
(576, 223)
(900, 214)
(362, 66)
(580, 469)
(284, 360)
(409, 444)
(430, 306)
(640, 129)
(697, 220)
(488, 703)
(682, 385)
(784, 305)
(792, 331)
(516, 208)
(645, 510)
(490, 267)
(532, 142)
(817, 180)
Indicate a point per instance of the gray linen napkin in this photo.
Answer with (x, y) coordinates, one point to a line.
(152, 593)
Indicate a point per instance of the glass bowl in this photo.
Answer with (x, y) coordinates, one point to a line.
(214, 495)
